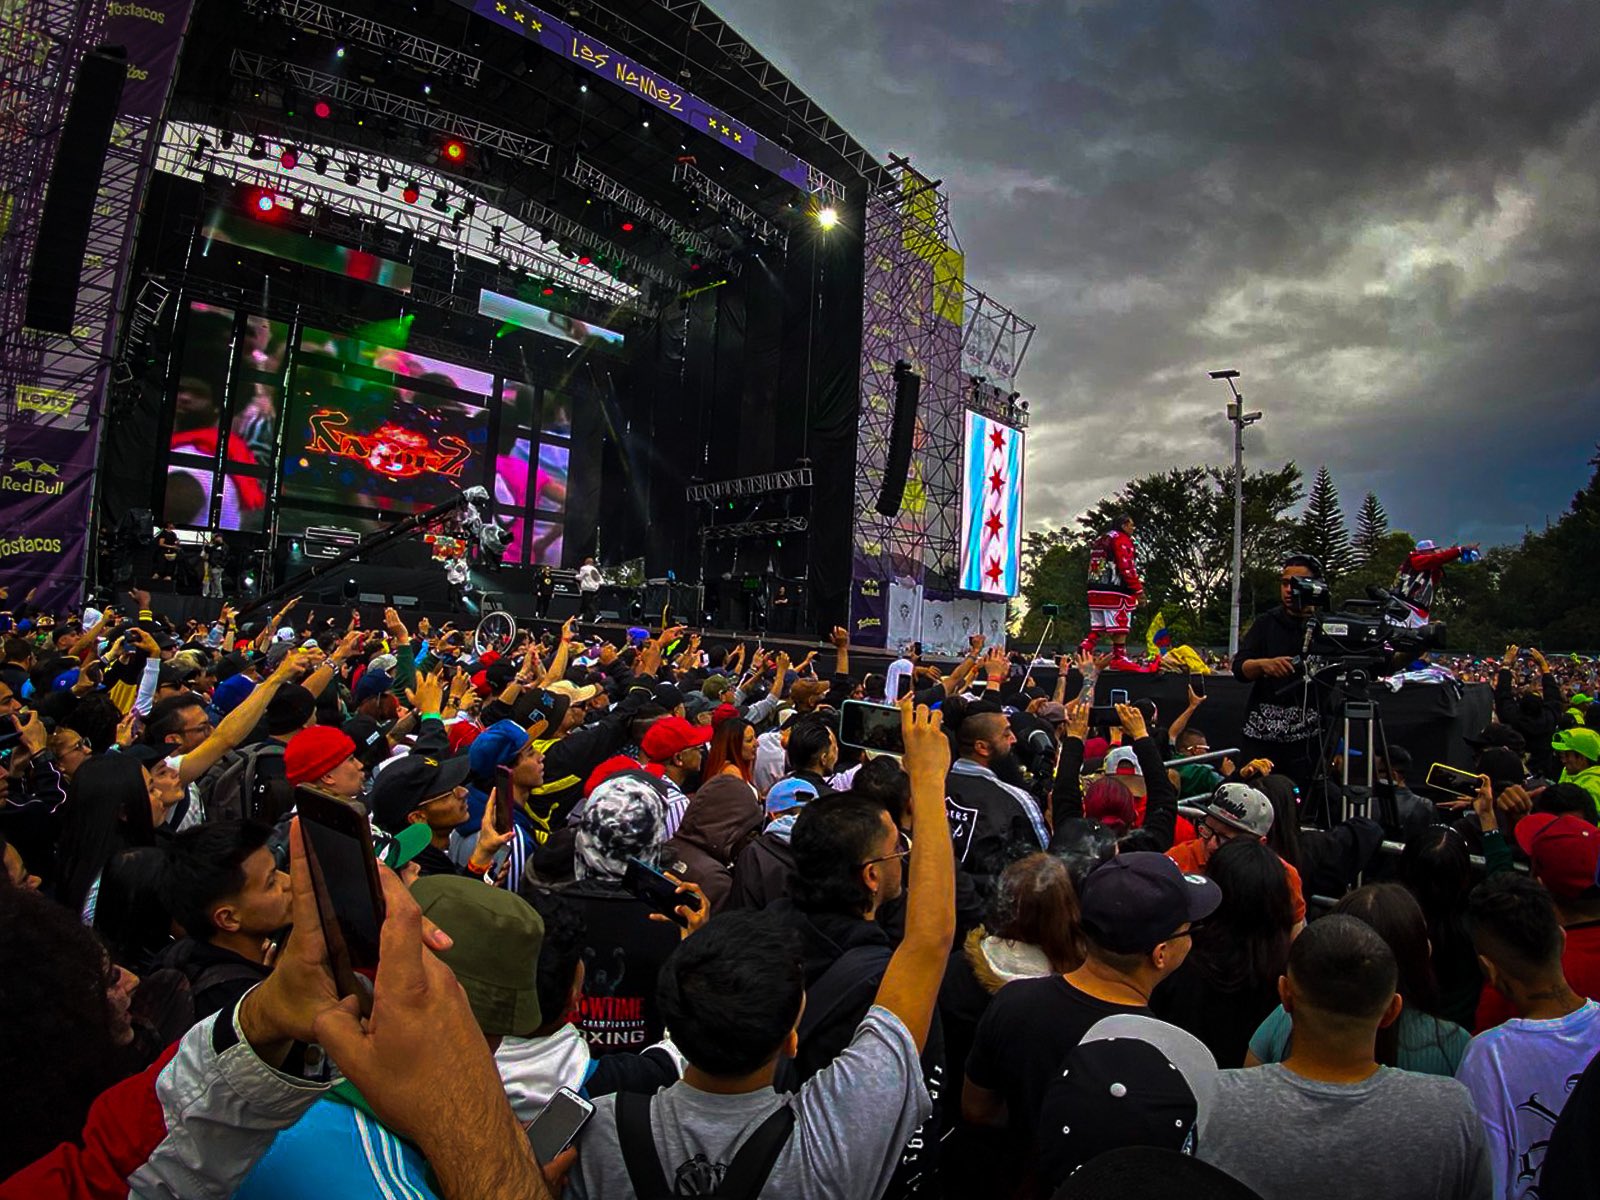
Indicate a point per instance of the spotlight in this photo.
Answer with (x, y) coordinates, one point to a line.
(412, 192)
(455, 151)
(427, 89)
(627, 227)
(258, 150)
(584, 260)
(441, 203)
(266, 202)
(320, 164)
(338, 51)
(227, 139)
(322, 109)
(548, 291)
(495, 233)
(828, 217)
(352, 175)
(200, 147)
(290, 158)
(470, 207)
(457, 219)
(383, 180)
(583, 87)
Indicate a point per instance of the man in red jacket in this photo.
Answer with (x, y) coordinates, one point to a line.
(1114, 590)
(1422, 573)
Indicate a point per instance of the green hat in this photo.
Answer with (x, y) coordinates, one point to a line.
(1582, 698)
(397, 849)
(1580, 741)
(497, 937)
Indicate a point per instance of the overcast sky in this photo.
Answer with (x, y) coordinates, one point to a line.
(1386, 215)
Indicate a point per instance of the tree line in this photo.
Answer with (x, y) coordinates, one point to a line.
(1543, 590)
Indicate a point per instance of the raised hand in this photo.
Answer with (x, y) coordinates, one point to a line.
(428, 693)
(1132, 722)
(1078, 718)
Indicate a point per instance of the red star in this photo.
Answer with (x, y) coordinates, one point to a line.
(999, 439)
(994, 571)
(997, 480)
(993, 524)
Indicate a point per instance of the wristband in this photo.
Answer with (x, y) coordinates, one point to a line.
(429, 716)
(474, 869)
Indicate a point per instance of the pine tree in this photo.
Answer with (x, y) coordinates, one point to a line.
(1371, 525)
(1322, 528)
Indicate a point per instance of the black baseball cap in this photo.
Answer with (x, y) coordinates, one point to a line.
(1132, 903)
(1131, 1081)
(406, 784)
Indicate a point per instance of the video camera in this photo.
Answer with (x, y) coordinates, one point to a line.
(1367, 628)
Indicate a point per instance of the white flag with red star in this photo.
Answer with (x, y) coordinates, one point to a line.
(991, 509)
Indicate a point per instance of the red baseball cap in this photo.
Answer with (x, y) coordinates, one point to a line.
(1565, 852)
(669, 735)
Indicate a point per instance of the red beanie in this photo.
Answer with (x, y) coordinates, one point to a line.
(313, 752)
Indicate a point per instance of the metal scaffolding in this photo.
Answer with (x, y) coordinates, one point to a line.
(697, 183)
(911, 313)
(338, 25)
(750, 485)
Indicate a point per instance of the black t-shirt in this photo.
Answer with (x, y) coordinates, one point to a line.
(622, 955)
(1223, 1020)
(1030, 1027)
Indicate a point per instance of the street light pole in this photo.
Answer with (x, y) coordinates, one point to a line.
(1240, 419)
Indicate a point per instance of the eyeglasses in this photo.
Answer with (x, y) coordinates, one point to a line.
(902, 847)
(1210, 833)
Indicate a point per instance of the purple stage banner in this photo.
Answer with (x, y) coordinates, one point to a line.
(595, 56)
(51, 439)
(151, 31)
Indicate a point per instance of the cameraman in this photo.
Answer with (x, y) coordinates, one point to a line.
(1278, 725)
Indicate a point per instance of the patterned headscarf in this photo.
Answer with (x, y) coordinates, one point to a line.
(625, 817)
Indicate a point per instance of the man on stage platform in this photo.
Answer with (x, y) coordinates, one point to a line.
(1422, 574)
(1114, 592)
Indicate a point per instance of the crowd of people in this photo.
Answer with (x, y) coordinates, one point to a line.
(1019, 955)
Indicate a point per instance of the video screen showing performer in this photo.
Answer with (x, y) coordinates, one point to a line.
(357, 443)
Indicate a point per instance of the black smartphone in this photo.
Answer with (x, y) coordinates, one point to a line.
(869, 726)
(656, 890)
(1198, 684)
(557, 1124)
(1119, 696)
(502, 799)
(1452, 779)
(1104, 716)
(344, 881)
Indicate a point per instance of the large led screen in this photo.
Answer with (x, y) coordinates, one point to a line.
(991, 507)
(369, 445)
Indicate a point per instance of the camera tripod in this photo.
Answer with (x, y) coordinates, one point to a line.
(1357, 727)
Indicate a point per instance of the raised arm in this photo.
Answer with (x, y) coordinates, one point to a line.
(236, 726)
(1182, 721)
(841, 650)
(1066, 802)
(910, 984)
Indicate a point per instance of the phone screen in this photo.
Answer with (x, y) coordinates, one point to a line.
(502, 799)
(1452, 779)
(1119, 695)
(656, 890)
(870, 726)
(344, 880)
(557, 1124)
(1103, 716)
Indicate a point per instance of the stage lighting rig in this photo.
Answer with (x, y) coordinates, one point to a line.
(258, 150)
(412, 192)
(827, 217)
(383, 181)
(289, 158)
(455, 152)
(352, 175)
(441, 202)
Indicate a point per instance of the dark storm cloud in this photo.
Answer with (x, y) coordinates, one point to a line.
(1386, 215)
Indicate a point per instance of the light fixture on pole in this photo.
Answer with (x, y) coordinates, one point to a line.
(1240, 419)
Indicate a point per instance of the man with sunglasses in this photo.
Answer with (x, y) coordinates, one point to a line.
(1279, 725)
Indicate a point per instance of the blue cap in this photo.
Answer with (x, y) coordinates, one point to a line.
(496, 746)
(372, 683)
(789, 793)
(65, 680)
(230, 693)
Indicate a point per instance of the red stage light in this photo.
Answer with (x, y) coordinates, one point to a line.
(549, 291)
(455, 151)
(627, 227)
(322, 109)
(289, 159)
(584, 260)
(266, 202)
(411, 194)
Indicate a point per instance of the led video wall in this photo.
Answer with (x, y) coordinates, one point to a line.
(331, 429)
(991, 506)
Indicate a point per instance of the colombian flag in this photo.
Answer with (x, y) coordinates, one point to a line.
(1158, 637)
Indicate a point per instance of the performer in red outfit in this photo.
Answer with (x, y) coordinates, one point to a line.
(1423, 572)
(1114, 590)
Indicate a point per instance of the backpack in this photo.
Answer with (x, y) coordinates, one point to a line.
(237, 787)
(746, 1174)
